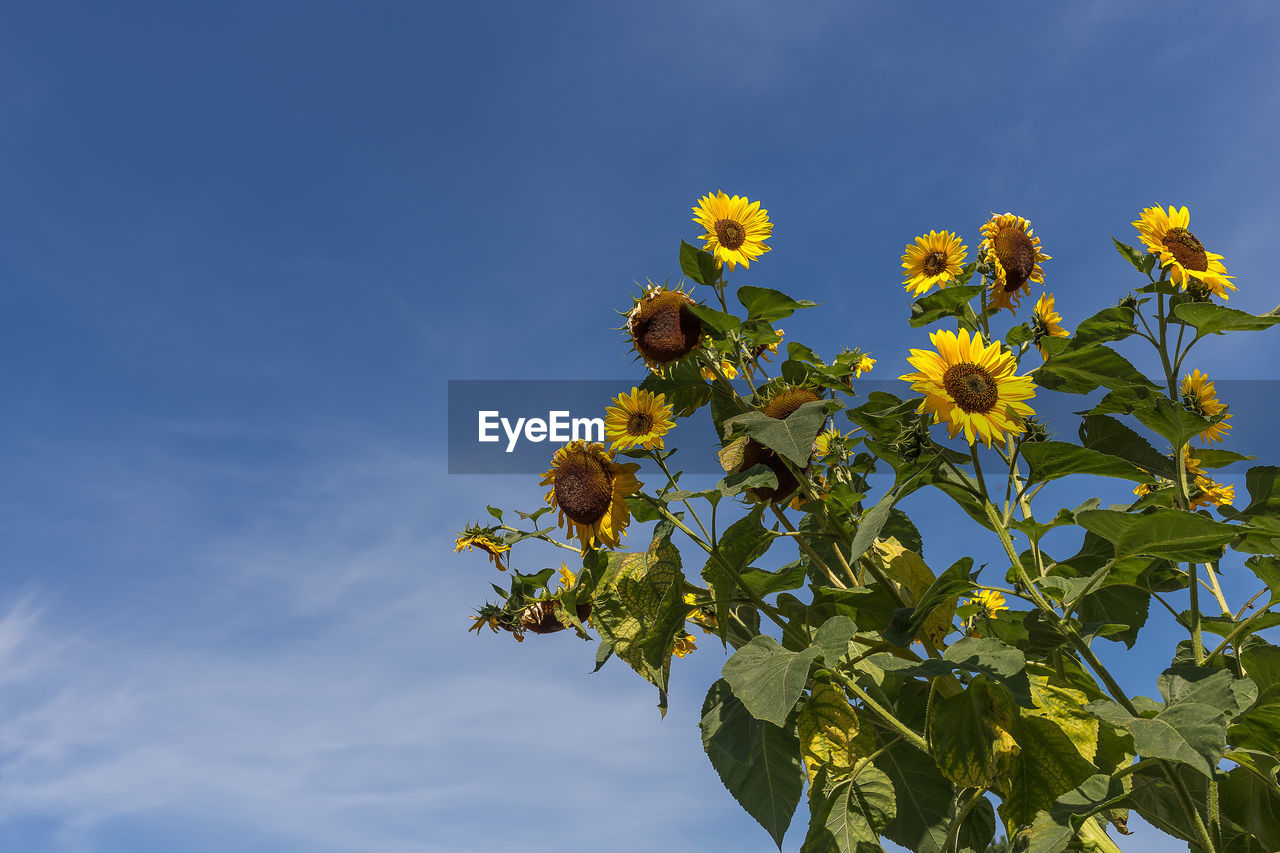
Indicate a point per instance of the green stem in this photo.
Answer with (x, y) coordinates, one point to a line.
(953, 834)
(804, 546)
(883, 713)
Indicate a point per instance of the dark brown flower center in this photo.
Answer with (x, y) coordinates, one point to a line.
(583, 487)
(786, 402)
(1188, 251)
(639, 424)
(1017, 255)
(730, 234)
(935, 263)
(973, 389)
(663, 327)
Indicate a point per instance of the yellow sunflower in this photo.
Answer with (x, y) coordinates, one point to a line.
(1206, 492)
(1012, 249)
(589, 490)
(484, 538)
(736, 228)
(567, 576)
(662, 328)
(684, 644)
(1044, 323)
(1180, 252)
(991, 602)
(638, 419)
(865, 363)
(726, 367)
(1199, 396)
(936, 258)
(828, 443)
(971, 387)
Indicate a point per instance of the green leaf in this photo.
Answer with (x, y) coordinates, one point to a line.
(638, 609)
(768, 678)
(1259, 728)
(1079, 371)
(1253, 805)
(922, 795)
(985, 655)
(758, 762)
(682, 385)
(713, 319)
(698, 265)
(832, 638)
(768, 305)
(1263, 483)
(1047, 766)
(849, 817)
(756, 477)
(1169, 533)
(1017, 336)
(907, 622)
(744, 541)
(969, 734)
(1108, 435)
(1169, 419)
(791, 437)
(1049, 460)
(1053, 830)
(1190, 733)
(1141, 261)
(1109, 324)
(764, 583)
(496, 513)
(870, 525)
(1116, 612)
(948, 302)
(1211, 318)
(1214, 458)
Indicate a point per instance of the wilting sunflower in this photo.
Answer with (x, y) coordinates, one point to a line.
(484, 538)
(971, 387)
(1199, 397)
(589, 490)
(991, 602)
(936, 258)
(736, 228)
(779, 402)
(865, 363)
(662, 328)
(1012, 249)
(1044, 323)
(638, 419)
(1180, 252)
(726, 367)
(684, 644)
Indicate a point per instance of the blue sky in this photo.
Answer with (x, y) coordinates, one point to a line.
(245, 246)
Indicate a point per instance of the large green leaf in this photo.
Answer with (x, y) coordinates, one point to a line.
(744, 541)
(791, 437)
(714, 320)
(1263, 483)
(1169, 533)
(1079, 371)
(985, 655)
(970, 734)
(1053, 830)
(768, 305)
(1210, 318)
(698, 265)
(870, 525)
(1047, 765)
(768, 678)
(908, 622)
(849, 817)
(1142, 261)
(832, 638)
(1259, 728)
(1108, 435)
(1190, 733)
(948, 302)
(1253, 805)
(758, 762)
(638, 609)
(1109, 324)
(1169, 419)
(1049, 460)
(922, 794)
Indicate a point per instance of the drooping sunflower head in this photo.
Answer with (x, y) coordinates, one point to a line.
(701, 613)
(484, 538)
(1205, 492)
(662, 328)
(971, 387)
(684, 643)
(865, 363)
(589, 490)
(1010, 246)
(1045, 323)
(991, 602)
(829, 444)
(735, 228)
(1200, 397)
(1190, 266)
(638, 419)
(781, 399)
(935, 258)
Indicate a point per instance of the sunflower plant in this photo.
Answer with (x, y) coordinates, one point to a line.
(936, 707)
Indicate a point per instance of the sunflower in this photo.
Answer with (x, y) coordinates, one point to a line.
(1206, 492)
(662, 328)
(865, 363)
(736, 228)
(1180, 252)
(684, 644)
(936, 258)
(780, 403)
(484, 538)
(589, 490)
(726, 367)
(567, 576)
(702, 615)
(828, 443)
(971, 387)
(1044, 323)
(1199, 397)
(991, 602)
(1009, 245)
(638, 419)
